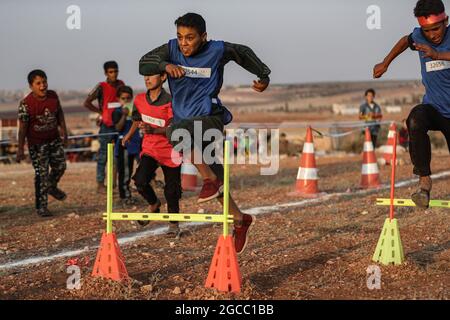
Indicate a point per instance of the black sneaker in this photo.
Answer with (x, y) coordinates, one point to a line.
(143, 223)
(130, 201)
(43, 212)
(56, 193)
(421, 198)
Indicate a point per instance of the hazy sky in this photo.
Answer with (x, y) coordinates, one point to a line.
(301, 41)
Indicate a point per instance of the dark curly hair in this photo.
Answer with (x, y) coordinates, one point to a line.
(124, 89)
(192, 20)
(425, 8)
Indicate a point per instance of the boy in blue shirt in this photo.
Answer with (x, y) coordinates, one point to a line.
(370, 111)
(195, 67)
(125, 156)
(432, 41)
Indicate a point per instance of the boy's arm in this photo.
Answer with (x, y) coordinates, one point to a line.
(119, 119)
(157, 61)
(62, 124)
(23, 128)
(93, 95)
(429, 52)
(377, 115)
(246, 58)
(130, 133)
(154, 61)
(362, 115)
(136, 116)
(150, 130)
(399, 48)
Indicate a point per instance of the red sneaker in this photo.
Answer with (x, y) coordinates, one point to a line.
(211, 189)
(241, 233)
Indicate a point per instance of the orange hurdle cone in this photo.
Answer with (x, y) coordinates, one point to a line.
(370, 176)
(109, 262)
(387, 155)
(307, 178)
(224, 274)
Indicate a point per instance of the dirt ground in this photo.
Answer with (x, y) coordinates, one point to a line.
(315, 251)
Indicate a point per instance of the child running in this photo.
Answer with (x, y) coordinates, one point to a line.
(432, 41)
(154, 110)
(195, 67)
(40, 115)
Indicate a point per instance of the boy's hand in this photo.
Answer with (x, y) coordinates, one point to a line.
(98, 120)
(65, 140)
(427, 50)
(260, 85)
(145, 128)
(379, 70)
(175, 71)
(20, 155)
(125, 140)
(125, 112)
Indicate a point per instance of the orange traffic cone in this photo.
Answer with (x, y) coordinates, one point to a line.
(370, 177)
(224, 274)
(307, 177)
(189, 181)
(110, 262)
(387, 155)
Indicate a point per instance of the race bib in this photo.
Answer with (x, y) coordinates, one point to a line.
(113, 105)
(154, 121)
(437, 65)
(193, 72)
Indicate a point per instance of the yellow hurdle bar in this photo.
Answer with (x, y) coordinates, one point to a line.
(186, 217)
(410, 203)
(224, 218)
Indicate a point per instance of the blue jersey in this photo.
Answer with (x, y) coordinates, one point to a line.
(435, 74)
(194, 94)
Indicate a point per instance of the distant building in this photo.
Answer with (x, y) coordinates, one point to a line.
(8, 129)
(344, 109)
(393, 109)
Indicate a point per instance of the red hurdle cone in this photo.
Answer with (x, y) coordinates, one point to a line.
(389, 148)
(109, 262)
(370, 176)
(307, 177)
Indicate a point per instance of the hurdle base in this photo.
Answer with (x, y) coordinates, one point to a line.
(109, 262)
(389, 248)
(224, 274)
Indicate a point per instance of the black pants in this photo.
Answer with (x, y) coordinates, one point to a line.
(213, 121)
(125, 164)
(374, 129)
(172, 183)
(45, 156)
(422, 119)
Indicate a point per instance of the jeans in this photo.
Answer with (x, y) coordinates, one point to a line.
(103, 151)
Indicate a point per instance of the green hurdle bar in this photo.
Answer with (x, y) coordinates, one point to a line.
(410, 203)
(224, 218)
